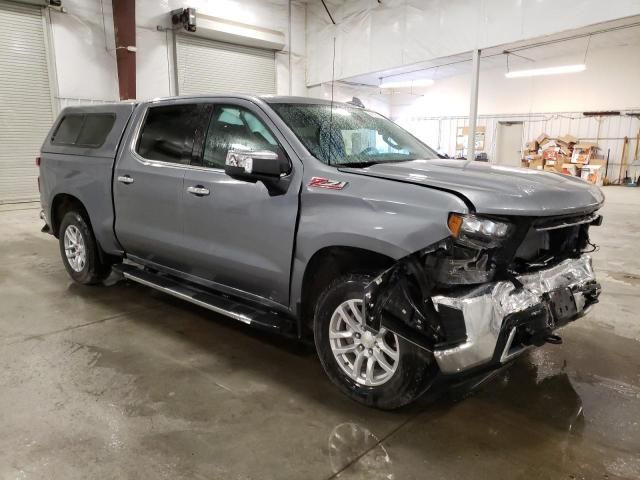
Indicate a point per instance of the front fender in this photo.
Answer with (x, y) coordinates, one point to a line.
(386, 217)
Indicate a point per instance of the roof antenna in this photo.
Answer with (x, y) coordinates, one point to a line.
(333, 77)
(333, 73)
(328, 12)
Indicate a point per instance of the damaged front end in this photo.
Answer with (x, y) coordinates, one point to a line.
(494, 288)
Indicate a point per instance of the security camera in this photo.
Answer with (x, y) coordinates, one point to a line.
(185, 17)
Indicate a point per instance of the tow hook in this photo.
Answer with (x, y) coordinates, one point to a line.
(553, 339)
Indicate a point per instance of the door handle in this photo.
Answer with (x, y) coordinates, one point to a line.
(198, 190)
(125, 179)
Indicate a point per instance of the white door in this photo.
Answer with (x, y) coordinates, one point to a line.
(509, 144)
(26, 112)
(211, 67)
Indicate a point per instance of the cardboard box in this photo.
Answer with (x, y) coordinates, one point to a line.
(550, 153)
(568, 151)
(548, 144)
(542, 138)
(462, 138)
(567, 140)
(596, 161)
(531, 146)
(570, 169)
(553, 166)
(537, 162)
(581, 155)
(592, 174)
(586, 145)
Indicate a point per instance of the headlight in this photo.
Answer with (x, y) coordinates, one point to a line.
(476, 231)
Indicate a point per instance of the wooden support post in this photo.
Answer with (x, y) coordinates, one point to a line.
(623, 159)
(124, 22)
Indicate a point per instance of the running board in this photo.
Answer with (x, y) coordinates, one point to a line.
(224, 305)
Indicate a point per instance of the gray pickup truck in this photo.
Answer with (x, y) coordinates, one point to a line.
(327, 221)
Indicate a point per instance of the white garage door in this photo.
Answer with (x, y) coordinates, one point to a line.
(25, 100)
(211, 67)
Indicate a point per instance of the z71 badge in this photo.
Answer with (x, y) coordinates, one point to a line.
(319, 182)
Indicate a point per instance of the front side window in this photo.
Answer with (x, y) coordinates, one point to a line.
(351, 136)
(234, 127)
(167, 133)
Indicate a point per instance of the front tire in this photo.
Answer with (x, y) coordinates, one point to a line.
(79, 250)
(383, 370)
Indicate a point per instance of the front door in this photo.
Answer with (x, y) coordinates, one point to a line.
(148, 184)
(236, 233)
(509, 144)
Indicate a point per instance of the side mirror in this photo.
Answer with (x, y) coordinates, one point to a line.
(271, 168)
(254, 165)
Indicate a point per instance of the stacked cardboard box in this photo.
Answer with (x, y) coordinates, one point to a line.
(582, 152)
(532, 157)
(564, 154)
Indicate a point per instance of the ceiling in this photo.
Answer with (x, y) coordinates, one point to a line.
(532, 53)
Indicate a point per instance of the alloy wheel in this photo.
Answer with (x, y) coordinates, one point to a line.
(368, 358)
(75, 248)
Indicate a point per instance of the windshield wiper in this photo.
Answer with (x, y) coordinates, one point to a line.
(360, 164)
(374, 162)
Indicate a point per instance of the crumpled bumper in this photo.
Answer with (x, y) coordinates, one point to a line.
(502, 321)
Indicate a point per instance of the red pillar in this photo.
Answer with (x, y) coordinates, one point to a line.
(124, 22)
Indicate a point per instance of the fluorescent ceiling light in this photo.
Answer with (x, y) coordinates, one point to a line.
(341, 111)
(425, 82)
(536, 72)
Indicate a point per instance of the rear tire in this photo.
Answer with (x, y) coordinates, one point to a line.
(79, 250)
(391, 373)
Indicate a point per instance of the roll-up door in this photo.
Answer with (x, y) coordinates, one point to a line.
(26, 112)
(211, 67)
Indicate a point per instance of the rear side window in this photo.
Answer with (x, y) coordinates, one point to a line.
(83, 129)
(167, 133)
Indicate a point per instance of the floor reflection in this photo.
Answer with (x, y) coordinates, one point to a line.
(545, 396)
(347, 444)
(540, 393)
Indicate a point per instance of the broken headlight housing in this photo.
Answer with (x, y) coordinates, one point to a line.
(478, 232)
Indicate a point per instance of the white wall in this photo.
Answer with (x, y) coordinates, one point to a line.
(607, 132)
(154, 58)
(374, 36)
(84, 49)
(609, 83)
(344, 93)
(83, 45)
(552, 104)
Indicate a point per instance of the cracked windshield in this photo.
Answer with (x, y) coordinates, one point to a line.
(351, 136)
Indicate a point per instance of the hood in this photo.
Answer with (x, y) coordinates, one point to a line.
(495, 189)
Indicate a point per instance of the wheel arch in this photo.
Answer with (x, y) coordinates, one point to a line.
(63, 203)
(324, 266)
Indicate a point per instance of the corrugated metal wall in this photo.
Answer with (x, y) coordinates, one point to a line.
(607, 132)
(26, 112)
(210, 67)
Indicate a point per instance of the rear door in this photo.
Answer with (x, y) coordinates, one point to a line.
(236, 233)
(148, 183)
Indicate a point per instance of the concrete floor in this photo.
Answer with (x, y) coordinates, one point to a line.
(124, 382)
